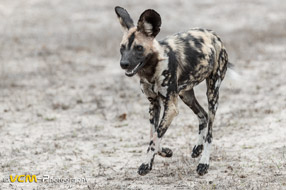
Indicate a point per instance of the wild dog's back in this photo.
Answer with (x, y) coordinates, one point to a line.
(197, 52)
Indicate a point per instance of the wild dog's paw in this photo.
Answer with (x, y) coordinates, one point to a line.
(166, 152)
(144, 169)
(197, 150)
(202, 169)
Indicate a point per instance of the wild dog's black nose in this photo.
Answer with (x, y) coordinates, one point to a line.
(124, 64)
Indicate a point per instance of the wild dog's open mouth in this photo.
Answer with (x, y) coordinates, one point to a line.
(131, 72)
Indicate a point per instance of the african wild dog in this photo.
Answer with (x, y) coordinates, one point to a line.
(171, 68)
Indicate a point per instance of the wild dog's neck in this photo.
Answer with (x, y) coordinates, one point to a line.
(148, 71)
(158, 49)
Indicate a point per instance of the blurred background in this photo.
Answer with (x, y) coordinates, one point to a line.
(67, 109)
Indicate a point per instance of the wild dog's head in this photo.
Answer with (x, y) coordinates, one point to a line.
(136, 47)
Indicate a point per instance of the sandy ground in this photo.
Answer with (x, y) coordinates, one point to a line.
(68, 111)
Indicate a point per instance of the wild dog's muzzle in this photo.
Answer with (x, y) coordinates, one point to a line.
(132, 71)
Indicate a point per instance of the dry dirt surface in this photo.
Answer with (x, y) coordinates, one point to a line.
(67, 110)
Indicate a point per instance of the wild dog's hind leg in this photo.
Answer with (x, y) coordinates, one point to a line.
(190, 100)
(212, 95)
(213, 84)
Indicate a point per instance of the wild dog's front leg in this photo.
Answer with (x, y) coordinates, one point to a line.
(170, 111)
(154, 111)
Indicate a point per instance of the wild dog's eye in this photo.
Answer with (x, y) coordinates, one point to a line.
(122, 48)
(139, 48)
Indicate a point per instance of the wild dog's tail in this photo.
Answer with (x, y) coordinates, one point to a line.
(230, 65)
(232, 72)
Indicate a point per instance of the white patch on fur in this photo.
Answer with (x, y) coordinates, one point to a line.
(172, 42)
(162, 65)
(201, 136)
(157, 147)
(207, 36)
(206, 154)
(162, 89)
(148, 28)
(146, 87)
(233, 78)
(217, 83)
(185, 34)
(142, 88)
(180, 48)
(231, 73)
(215, 106)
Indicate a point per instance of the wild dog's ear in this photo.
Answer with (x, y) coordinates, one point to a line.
(149, 23)
(124, 18)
